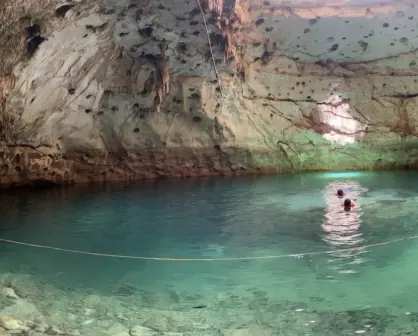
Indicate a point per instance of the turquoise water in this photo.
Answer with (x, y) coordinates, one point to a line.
(302, 265)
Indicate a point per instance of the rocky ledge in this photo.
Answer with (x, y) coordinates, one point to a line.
(130, 89)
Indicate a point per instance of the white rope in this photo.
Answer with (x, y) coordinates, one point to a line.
(210, 47)
(208, 259)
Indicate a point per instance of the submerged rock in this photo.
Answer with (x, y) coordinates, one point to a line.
(12, 324)
(9, 293)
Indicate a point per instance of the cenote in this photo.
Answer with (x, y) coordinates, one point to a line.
(247, 256)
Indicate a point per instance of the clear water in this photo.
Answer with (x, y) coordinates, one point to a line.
(351, 288)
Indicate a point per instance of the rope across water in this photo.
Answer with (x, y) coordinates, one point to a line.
(207, 259)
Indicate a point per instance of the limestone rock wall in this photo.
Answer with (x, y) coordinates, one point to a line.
(128, 89)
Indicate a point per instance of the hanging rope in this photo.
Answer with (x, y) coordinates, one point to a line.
(299, 255)
(210, 46)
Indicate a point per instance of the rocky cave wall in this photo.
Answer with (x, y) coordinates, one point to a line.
(128, 89)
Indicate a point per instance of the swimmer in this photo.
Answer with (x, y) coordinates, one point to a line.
(340, 193)
(348, 204)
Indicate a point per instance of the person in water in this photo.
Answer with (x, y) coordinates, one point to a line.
(340, 193)
(348, 204)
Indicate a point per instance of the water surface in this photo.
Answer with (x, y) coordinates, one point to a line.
(303, 266)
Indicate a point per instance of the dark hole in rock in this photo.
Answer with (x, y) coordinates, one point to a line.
(100, 113)
(132, 5)
(33, 44)
(218, 89)
(32, 100)
(89, 96)
(146, 32)
(271, 115)
(183, 61)
(308, 97)
(196, 32)
(182, 46)
(136, 105)
(115, 108)
(269, 29)
(212, 20)
(71, 91)
(197, 119)
(218, 40)
(265, 104)
(266, 57)
(18, 169)
(197, 65)
(123, 34)
(87, 110)
(195, 96)
(193, 23)
(306, 30)
(149, 57)
(334, 47)
(136, 130)
(33, 30)
(161, 6)
(62, 10)
(259, 21)
(313, 21)
(107, 11)
(217, 147)
(410, 18)
(195, 11)
(346, 21)
(385, 25)
(396, 28)
(85, 35)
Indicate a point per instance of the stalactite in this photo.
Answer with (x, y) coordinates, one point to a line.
(162, 78)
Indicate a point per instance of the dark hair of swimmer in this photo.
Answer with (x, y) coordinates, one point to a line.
(348, 204)
(340, 192)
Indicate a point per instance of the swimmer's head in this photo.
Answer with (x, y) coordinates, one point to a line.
(347, 203)
(340, 192)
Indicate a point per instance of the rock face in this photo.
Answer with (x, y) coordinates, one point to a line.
(127, 89)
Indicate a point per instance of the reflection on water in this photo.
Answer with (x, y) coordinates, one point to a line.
(342, 227)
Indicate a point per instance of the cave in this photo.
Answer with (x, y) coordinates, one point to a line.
(208, 167)
(317, 69)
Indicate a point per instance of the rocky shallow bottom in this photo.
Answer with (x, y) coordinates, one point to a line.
(30, 306)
